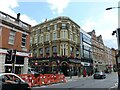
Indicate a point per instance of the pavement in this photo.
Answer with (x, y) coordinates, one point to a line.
(74, 78)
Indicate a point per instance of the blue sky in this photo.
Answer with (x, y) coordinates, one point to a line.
(89, 14)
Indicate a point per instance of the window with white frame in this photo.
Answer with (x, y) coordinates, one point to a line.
(55, 27)
(48, 27)
(76, 40)
(35, 38)
(54, 35)
(54, 49)
(64, 34)
(63, 49)
(41, 39)
(47, 50)
(64, 26)
(23, 39)
(30, 41)
(12, 37)
(71, 36)
(71, 50)
(47, 37)
(41, 50)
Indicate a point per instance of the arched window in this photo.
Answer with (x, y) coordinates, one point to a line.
(47, 50)
(41, 51)
(54, 49)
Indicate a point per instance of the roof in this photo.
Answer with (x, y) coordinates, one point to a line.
(57, 18)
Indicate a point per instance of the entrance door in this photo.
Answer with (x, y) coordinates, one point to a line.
(8, 69)
(64, 69)
(18, 70)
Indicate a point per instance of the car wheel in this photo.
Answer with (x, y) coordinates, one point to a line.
(103, 77)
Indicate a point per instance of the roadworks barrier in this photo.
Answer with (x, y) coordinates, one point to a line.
(43, 79)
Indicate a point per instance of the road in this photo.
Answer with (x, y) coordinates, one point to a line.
(87, 82)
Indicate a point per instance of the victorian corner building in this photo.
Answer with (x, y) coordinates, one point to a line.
(60, 45)
(14, 36)
(55, 45)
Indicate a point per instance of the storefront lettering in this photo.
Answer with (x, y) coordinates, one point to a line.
(75, 61)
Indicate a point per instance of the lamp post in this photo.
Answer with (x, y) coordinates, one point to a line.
(117, 31)
(111, 8)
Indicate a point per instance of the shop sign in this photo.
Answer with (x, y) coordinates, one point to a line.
(75, 61)
(85, 64)
(40, 61)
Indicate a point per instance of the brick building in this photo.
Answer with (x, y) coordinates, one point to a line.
(15, 36)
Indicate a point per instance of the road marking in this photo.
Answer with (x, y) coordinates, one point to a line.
(115, 86)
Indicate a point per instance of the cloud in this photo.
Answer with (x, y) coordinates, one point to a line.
(8, 7)
(58, 5)
(89, 24)
(104, 26)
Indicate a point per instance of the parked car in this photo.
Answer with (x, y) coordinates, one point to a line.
(11, 81)
(99, 75)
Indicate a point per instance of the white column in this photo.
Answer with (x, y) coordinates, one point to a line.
(25, 68)
(2, 62)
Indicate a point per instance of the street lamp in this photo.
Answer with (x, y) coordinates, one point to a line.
(117, 31)
(111, 8)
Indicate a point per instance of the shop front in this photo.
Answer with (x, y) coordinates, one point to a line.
(15, 67)
(56, 65)
(88, 67)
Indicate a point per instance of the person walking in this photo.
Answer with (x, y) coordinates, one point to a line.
(84, 72)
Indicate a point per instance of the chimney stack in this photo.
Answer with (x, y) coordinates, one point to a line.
(18, 16)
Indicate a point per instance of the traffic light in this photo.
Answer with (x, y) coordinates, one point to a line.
(118, 37)
(13, 55)
(9, 55)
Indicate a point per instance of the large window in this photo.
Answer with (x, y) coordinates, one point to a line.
(35, 38)
(12, 37)
(86, 39)
(47, 37)
(64, 26)
(54, 35)
(76, 39)
(54, 49)
(41, 38)
(47, 50)
(77, 52)
(71, 50)
(86, 54)
(35, 52)
(24, 39)
(64, 34)
(71, 36)
(41, 51)
(63, 49)
(48, 27)
(55, 27)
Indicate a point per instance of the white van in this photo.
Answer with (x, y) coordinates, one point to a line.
(31, 71)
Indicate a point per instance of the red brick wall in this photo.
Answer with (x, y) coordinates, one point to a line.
(17, 42)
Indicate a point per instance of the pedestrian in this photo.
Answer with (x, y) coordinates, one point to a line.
(84, 72)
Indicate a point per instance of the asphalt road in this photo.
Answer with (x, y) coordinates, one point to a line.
(86, 83)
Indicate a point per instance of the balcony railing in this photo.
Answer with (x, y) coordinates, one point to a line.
(13, 20)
